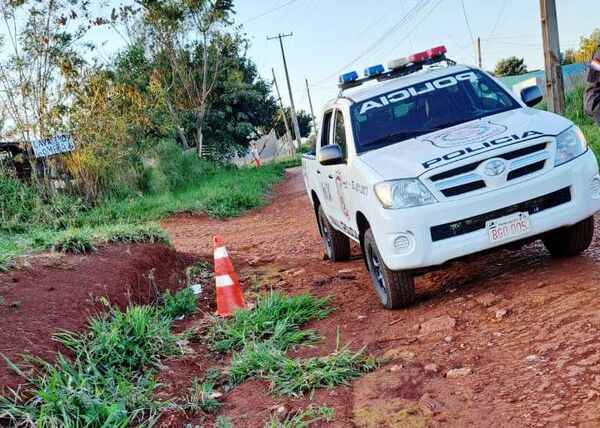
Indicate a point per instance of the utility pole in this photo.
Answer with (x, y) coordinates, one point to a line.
(312, 113)
(555, 90)
(479, 52)
(287, 77)
(287, 128)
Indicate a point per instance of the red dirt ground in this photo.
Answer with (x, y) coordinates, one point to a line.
(526, 326)
(62, 293)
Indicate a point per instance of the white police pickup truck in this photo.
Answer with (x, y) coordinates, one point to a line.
(429, 161)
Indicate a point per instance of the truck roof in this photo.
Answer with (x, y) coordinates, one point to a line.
(374, 88)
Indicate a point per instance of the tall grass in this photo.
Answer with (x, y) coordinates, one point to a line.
(176, 183)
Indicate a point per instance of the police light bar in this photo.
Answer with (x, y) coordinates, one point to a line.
(418, 57)
(348, 77)
(374, 70)
(437, 51)
(398, 63)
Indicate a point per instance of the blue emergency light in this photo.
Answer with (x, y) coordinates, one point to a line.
(374, 70)
(348, 77)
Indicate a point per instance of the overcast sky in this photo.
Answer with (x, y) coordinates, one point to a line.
(334, 36)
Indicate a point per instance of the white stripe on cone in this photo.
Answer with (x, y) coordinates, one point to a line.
(220, 253)
(224, 281)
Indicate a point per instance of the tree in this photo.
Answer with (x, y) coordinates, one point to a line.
(587, 47)
(42, 47)
(511, 66)
(304, 122)
(189, 33)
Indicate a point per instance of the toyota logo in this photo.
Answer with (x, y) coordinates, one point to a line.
(494, 167)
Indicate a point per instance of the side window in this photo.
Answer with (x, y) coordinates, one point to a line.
(339, 133)
(325, 129)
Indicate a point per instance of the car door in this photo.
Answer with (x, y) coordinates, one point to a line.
(336, 175)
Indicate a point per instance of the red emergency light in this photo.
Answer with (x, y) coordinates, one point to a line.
(437, 51)
(418, 57)
(427, 55)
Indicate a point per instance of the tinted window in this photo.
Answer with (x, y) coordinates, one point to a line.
(339, 136)
(412, 111)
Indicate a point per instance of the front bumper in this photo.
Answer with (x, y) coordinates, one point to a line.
(416, 223)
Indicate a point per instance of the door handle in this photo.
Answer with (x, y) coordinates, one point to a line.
(331, 176)
(318, 171)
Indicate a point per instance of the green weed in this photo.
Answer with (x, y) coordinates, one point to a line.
(180, 304)
(275, 318)
(303, 418)
(124, 341)
(202, 397)
(109, 381)
(74, 241)
(295, 377)
(223, 422)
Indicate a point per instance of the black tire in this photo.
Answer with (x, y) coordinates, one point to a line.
(570, 241)
(395, 289)
(337, 245)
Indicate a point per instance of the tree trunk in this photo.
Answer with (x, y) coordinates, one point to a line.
(175, 118)
(199, 137)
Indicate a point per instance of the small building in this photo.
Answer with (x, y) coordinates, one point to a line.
(572, 73)
(13, 155)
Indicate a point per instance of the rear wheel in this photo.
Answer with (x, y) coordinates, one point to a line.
(570, 241)
(337, 245)
(395, 289)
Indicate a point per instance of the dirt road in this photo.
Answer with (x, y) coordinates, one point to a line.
(524, 329)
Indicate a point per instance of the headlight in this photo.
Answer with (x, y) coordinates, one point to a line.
(569, 144)
(404, 193)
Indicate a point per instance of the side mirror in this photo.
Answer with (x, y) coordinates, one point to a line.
(531, 95)
(331, 155)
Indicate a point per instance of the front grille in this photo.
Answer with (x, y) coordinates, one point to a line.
(464, 188)
(468, 178)
(472, 224)
(528, 169)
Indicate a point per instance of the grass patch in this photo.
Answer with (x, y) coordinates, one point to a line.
(275, 318)
(74, 241)
(260, 338)
(202, 397)
(296, 377)
(180, 304)
(107, 382)
(303, 418)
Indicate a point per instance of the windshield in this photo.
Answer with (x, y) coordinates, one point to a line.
(429, 106)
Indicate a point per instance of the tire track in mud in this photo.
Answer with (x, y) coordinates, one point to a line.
(526, 326)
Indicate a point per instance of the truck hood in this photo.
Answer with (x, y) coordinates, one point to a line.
(411, 158)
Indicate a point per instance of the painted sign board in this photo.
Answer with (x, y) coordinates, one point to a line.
(53, 145)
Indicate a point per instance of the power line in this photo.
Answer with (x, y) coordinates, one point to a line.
(412, 29)
(500, 14)
(275, 9)
(377, 44)
(468, 27)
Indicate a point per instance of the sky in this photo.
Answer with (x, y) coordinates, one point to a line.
(331, 37)
(334, 36)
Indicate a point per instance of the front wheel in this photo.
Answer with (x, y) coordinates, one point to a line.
(337, 245)
(570, 241)
(395, 289)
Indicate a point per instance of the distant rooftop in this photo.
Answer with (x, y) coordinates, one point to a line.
(570, 71)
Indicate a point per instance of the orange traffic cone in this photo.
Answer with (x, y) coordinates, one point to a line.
(229, 292)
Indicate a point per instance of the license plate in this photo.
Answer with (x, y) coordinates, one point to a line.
(507, 227)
